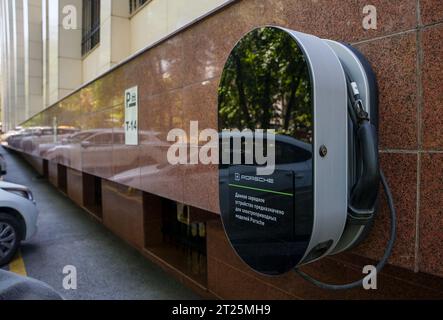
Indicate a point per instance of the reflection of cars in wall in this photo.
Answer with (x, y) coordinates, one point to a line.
(97, 150)
(29, 139)
(156, 175)
(154, 165)
(43, 135)
(14, 138)
(5, 138)
(27, 142)
(50, 150)
(18, 218)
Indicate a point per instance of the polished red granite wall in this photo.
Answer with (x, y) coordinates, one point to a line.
(75, 186)
(53, 173)
(230, 278)
(123, 212)
(178, 81)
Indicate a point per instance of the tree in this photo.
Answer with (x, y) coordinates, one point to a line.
(266, 85)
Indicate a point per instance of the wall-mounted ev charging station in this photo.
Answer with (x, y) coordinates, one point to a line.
(320, 99)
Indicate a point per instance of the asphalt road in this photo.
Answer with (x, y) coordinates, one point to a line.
(107, 268)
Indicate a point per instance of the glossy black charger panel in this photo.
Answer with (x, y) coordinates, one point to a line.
(266, 84)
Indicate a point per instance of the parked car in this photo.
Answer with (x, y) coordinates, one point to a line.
(18, 219)
(2, 166)
(15, 287)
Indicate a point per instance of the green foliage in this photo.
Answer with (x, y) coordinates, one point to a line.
(266, 84)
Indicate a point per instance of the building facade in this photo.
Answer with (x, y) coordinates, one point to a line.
(171, 213)
(50, 48)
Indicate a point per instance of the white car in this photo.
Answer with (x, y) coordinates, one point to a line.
(2, 166)
(18, 219)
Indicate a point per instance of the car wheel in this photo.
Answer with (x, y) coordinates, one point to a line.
(9, 238)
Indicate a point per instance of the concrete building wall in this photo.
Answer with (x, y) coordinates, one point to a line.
(114, 39)
(63, 57)
(22, 68)
(45, 52)
(123, 34)
(42, 61)
(160, 18)
(8, 64)
(19, 61)
(33, 62)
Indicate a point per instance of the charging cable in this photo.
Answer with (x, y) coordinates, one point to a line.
(386, 255)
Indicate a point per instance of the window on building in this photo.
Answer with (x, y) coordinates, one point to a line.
(91, 25)
(135, 4)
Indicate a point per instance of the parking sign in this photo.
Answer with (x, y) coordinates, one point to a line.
(131, 116)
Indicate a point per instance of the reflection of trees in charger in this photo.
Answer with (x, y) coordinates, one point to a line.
(321, 98)
(267, 86)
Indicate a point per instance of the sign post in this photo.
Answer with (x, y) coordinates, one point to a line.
(131, 116)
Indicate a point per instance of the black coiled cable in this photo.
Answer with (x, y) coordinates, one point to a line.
(382, 262)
